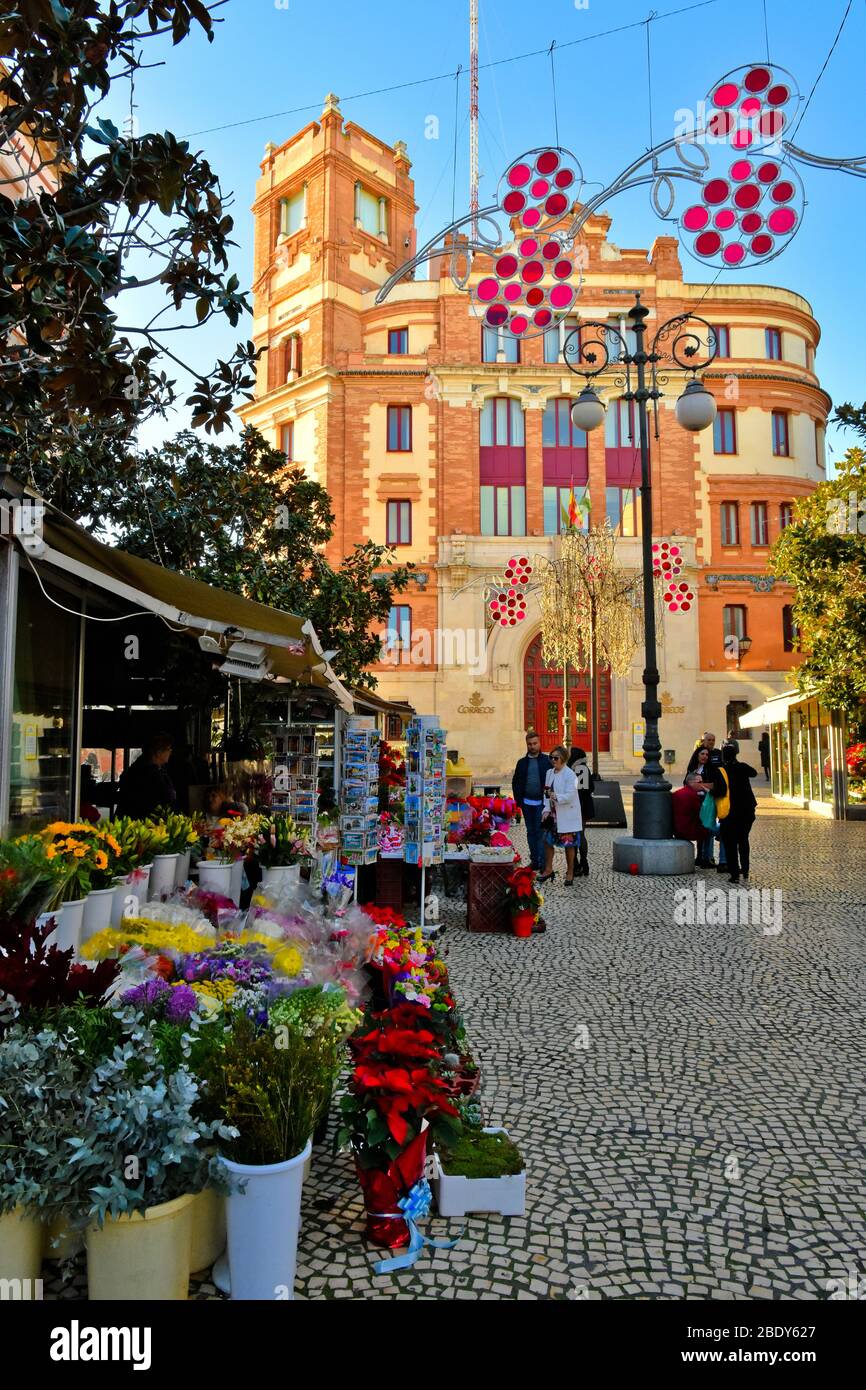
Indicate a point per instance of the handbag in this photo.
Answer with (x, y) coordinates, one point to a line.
(548, 815)
(723, 803)
(707, 814)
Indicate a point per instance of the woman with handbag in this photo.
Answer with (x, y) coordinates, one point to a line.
(562, 821)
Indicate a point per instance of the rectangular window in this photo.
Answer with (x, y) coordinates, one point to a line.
(786, 514)
(730, 519)
(556, 504)
(398, 342)
(734, 620)
(287, 442)
(773, 339)
(399, 429)
(810, 357)
(503, 510)
(293, 212)
(371, 212)
(621, 426)
(623, 510)
(495, 342)
(725, 432)
(759, 523)
(781, 440)
(399, 523)
(398, 634)
(722, 337)
(790, 631)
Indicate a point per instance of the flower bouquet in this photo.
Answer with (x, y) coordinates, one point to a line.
(237, 836)
(281, 843)
(89, 854)
(524, 899)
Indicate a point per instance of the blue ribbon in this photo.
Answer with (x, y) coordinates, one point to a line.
(413, 1207)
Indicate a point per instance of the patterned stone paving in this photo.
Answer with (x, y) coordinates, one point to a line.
(688, 1098)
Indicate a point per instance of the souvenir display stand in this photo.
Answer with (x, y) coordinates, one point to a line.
(295, 775)
(359, 794)
(425, 796)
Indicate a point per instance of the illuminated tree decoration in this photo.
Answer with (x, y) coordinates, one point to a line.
(590, 605)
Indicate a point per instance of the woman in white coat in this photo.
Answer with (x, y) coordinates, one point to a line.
(564, 823)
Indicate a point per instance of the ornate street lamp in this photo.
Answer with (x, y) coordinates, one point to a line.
(689, 343)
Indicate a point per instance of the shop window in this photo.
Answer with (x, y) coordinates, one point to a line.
(398, 342)
(773, 341)
(729, 515)
(399, 429)
(759, 522)
(781, 436)
(399, 522)
(725, 432)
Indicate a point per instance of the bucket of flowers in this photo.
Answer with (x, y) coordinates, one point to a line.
(235, 839)
(282, 848)
(524, 899)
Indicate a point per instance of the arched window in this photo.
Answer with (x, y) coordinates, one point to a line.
(502, 468)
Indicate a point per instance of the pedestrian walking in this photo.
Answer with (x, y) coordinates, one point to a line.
(735, 808)
(764, 750)
(586, 780)
(527, 787)
(562, 818)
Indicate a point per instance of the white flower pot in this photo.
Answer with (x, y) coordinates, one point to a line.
(280, 876)
(263, 1224)
(97, 912)
(130, 893)
(236, 882)
(69, 917)
(163, 873)
(182, 869)
(215, 876)
(458, 1196)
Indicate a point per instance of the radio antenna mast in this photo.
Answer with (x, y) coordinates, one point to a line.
(473, 115)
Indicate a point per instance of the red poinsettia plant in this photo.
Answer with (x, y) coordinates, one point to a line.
(521, 892)
(392, 768)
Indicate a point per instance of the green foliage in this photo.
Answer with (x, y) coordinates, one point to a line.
(237, 516)
(479, 1155)
(102, 214)
(823, 554)
(271, 1086)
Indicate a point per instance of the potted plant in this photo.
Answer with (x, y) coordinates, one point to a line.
(105, 856)
(181, 836)
(230, 843)
(84, 862)
(524, 900)
(482, 1171)
(268, 1083)
(394, 1099)
(163, 871)
(138, 842)
(280, 849)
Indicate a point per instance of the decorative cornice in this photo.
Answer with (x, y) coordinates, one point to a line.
(761, 583)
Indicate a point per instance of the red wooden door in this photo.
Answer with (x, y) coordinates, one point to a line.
(543, 693)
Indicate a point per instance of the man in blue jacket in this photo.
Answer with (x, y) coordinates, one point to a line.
(527, 786)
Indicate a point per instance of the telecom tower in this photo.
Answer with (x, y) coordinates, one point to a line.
(473, 115)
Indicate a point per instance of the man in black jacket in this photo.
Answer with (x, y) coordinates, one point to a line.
(146, 785)
(737, 824)
(527, 786)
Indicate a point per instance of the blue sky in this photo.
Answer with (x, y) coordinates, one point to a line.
(270, 57)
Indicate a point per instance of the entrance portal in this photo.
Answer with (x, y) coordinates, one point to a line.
(543, 694)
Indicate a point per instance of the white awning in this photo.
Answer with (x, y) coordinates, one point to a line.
(773, 711)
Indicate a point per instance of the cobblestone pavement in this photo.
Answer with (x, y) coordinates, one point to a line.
(688, 1097)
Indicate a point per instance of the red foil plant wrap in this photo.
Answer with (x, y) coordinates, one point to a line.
(396, 1086)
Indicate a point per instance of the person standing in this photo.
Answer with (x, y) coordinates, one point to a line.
(566, 823)
(586, 780)
(715, 754)
(764, 750)
(145, 786)
(527, 787)
(732, 784)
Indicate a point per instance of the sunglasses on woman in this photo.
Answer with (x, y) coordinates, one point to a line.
(555, 758)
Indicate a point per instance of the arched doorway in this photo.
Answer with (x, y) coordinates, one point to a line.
(543, 693)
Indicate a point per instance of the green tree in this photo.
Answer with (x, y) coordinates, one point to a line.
(823, 554)
(239, 517)
(94, 222)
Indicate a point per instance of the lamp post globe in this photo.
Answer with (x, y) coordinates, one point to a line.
(696, 408)
(587, 413)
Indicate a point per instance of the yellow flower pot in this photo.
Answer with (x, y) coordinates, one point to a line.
(20, 1245)
(143, 1257)
(208, 1229)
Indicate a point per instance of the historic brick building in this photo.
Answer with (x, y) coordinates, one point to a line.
(458, 449)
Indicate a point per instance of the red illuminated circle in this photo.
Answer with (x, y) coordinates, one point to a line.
(742, 139)
(563, 178)
(556, 204)
(542, 318)
(695, 219)
(550, 250)
(721, 124)
(783, 192)
(562, 269)
(506, 266)
(708, 243)
(528, 247)
(751, 222)
(782, 220)
(496, 315)
(487, 289)
(716, 191)
(539, 188)
(741, 169)
(772, 123)
(513, 203)
(534, 296)
(761, 244)
(561, 296)
(727, 94)
(519, 174)
(751, 106)
(778, 95)
(734, 253)
(547, 162)
(512, 292)
(519, 324)
(532, 272)
(768, 172)
(748, 196)
(724, 219)
(757, 80)
(531, 217)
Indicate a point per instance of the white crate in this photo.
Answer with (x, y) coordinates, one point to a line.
(458, 1196)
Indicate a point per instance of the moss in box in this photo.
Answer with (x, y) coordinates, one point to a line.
(480, 1155)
